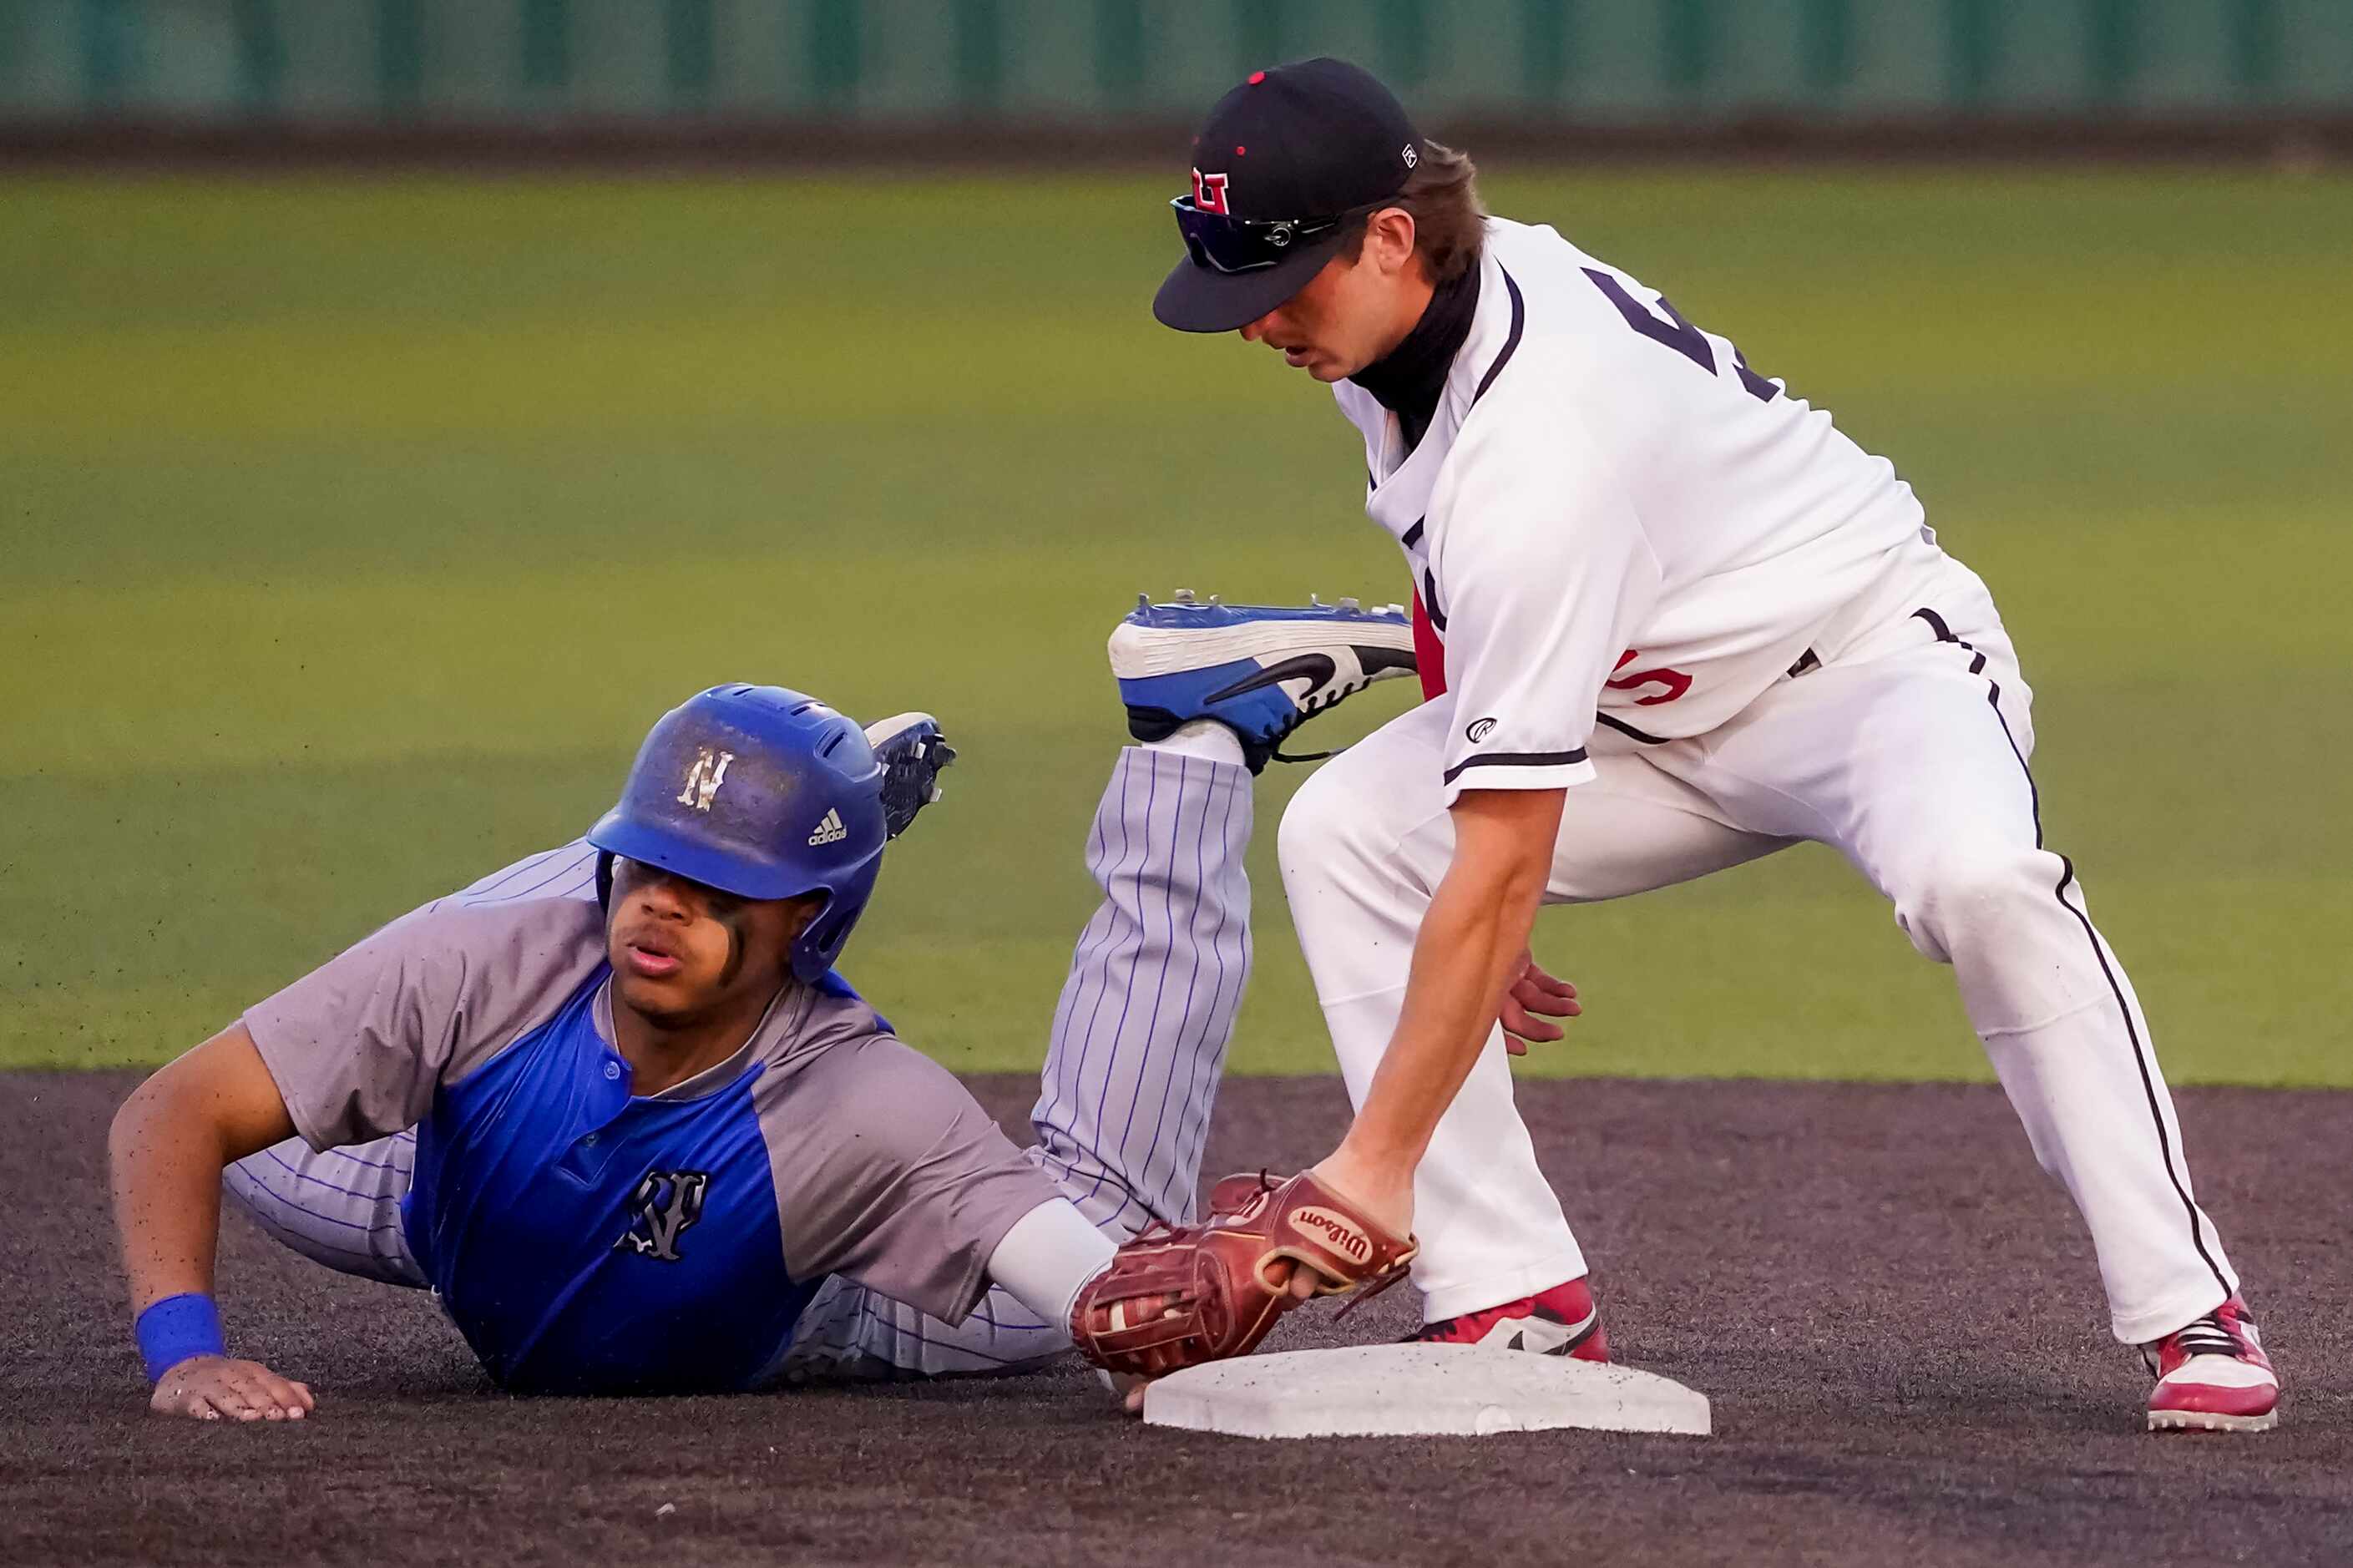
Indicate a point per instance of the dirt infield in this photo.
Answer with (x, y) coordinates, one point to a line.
(1893, 1311)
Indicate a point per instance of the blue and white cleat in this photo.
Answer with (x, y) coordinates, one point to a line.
(1260, 672)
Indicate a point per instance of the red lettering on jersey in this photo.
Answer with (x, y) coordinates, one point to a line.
(1209, 192)
(1675, 682)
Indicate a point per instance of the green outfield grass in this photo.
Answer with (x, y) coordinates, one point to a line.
(354, 533)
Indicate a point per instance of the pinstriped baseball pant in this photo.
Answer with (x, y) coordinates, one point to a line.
(1133, 1061)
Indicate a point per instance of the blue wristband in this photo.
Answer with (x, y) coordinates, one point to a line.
(176, 1328)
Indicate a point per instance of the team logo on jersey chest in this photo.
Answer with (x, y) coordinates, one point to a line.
(703, 779)
(664, 1205)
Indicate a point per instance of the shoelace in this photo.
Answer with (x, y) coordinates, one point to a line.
(1316, 703)
(1372, 1288)
(2207, 1336)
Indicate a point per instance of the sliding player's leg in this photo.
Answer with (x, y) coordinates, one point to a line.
(1132, 1062)
(1138, 1041)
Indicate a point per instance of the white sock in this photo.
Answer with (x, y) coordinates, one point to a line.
(1049, 1255)
(1204, 738)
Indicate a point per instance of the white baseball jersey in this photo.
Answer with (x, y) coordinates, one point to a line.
(1614, 520)
(1611, 512)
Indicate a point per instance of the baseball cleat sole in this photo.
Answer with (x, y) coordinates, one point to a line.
(1140, 652)
(2210, 1421)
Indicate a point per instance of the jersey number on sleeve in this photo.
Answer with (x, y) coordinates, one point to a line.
(1679, 335)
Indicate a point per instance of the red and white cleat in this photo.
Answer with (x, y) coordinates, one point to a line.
(2213, 1376)
(1562, 1321)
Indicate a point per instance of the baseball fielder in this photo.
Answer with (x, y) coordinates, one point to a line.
(614, 1106)
(1676, 621)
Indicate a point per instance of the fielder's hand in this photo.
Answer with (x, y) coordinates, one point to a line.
(1533, 993)
(1175, 1298)
(216, 1388)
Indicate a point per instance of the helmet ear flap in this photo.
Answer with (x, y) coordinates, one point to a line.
(828, 932)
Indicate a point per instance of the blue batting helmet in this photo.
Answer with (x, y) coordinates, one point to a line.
(762, 793)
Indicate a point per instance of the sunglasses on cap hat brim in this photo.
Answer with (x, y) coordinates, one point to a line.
(1232, 245)
(1237, 269)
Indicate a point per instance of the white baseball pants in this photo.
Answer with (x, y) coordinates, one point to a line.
(1907, 750)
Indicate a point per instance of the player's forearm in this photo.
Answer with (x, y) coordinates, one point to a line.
(1471, 938)
(166, 1165)
(169, 1143)
(166, 1149)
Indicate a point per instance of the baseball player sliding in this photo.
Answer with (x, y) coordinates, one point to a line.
(614, 1106)
(1675, 621)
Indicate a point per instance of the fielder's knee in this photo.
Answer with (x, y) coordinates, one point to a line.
(1356, 891)
(1330, 825)
(1967, 896)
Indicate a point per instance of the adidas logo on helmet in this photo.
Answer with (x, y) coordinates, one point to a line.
(830, 830)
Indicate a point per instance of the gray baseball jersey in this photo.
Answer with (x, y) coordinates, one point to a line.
(580, 1236)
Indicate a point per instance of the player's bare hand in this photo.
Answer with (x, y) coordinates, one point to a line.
(1282, 1274)
(1534, 992)
(1380, 1193)
(1128, 1389)
(217, 1388)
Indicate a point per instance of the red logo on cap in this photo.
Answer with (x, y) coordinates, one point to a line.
(1209, 192)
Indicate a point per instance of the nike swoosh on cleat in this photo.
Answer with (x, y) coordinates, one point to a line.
(1579, 1333)
(1317, 667)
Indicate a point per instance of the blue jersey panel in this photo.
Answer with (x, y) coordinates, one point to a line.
(585, 1241)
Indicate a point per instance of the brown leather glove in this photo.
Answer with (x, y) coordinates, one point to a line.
(1176, 1298)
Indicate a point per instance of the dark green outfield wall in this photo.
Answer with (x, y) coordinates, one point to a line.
(1638, 62)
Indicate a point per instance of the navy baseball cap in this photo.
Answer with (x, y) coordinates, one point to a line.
(1283, 166)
